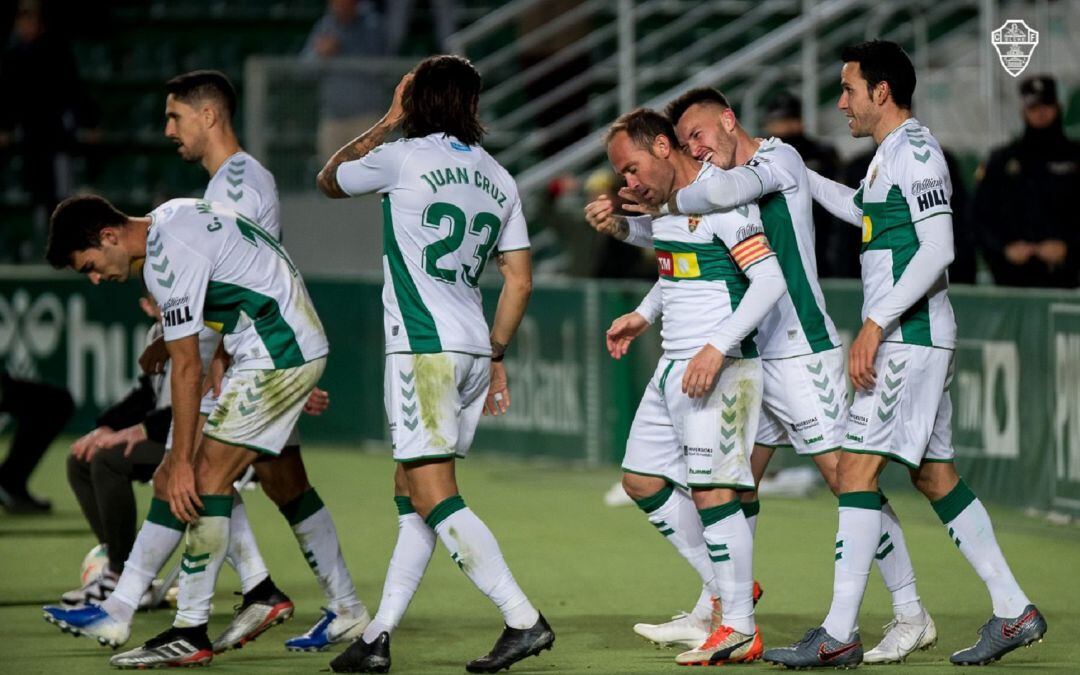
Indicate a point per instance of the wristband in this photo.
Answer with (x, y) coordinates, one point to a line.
(499, 358)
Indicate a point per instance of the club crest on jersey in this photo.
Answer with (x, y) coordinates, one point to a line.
(873, 176)
(692, 221)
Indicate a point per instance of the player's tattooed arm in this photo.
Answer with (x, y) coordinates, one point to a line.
(364, 143)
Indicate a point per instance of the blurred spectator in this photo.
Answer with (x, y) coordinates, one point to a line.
(962, 269)
(783, 119)
(1028, 227)
(399, 16)
(44, 109)
(349, 101)
(40, 412)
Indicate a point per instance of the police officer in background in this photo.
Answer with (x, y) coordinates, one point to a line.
(1025, 202)
(783, 119)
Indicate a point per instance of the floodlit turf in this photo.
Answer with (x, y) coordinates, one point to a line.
(594, 571)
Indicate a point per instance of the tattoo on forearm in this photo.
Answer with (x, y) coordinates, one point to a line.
(358, 148)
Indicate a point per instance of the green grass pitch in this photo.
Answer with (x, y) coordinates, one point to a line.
(594, 571)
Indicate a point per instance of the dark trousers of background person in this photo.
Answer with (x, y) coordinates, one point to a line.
(40, 412)
(103, 488)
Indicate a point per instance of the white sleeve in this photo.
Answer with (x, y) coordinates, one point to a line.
(177, 277)
(838, 199)
(652, 304)
(722, 191)
(767, 286)
(639, 231)
(926, 267)
(377, 171)
(515, 234)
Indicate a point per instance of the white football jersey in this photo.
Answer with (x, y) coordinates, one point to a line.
(447, 207)
(907, 182)
(799, 324)
(207, 264)
(701, 261)
(244, 185)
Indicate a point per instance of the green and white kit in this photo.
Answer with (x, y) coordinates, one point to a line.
(447, 208)
(210, 265)
(704, 263)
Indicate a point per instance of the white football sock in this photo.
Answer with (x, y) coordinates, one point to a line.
(673, 514)
(318, 539)
(731, 551)
(412, 552)
(894, 562)
(243, 553)
(158, 537)
(856, 544)
(973, 533)
(204, 552)
(473, 547)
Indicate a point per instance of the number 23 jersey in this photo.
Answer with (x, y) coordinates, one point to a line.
(447, 207)
(207, 264)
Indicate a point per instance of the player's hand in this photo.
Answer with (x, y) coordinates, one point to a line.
(633, 203)
(396, 112)
(622, 332)
(129, 438)
(700, 375)
(184, 500)
(498, 398)
(600, 214)
(86, 446)
(861, 356)
(215, 374)
(317, 403)
(154, 357)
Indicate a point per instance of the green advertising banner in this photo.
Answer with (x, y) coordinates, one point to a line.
(1015, 390)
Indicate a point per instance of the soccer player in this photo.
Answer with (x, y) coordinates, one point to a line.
(199, 109)
(205, 264)
(900, 364)
(697, 420)
(804, 401)
(447, 208)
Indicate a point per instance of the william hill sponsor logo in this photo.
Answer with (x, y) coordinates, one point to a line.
(929, 192)
(176, 316)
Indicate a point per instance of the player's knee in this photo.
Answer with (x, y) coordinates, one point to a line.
(935, 482)
(857, 473)
(109, 461)
(638, 487)
(76, 468)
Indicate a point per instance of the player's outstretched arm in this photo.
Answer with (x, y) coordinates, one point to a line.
(723, 191)
(837, 198)
(363, 144)
(516, 269)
